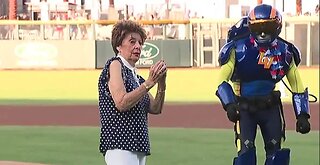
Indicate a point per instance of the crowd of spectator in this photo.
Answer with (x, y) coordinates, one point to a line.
(56, 31)
(3, 17)
(80, 31)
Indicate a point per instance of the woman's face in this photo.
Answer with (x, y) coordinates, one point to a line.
(130, 47)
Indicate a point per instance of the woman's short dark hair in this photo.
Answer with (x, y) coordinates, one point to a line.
(122, 28)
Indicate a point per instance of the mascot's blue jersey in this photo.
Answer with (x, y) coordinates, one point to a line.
(257, 69)
(256, 63)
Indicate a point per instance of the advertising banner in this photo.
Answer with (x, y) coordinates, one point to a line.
(47, 54)
(176, 53)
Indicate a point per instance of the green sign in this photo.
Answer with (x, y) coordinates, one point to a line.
(149, 53)
(176, 53)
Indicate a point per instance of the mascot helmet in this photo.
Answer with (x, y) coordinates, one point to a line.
(267, 20)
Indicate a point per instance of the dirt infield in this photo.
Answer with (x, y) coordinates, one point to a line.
(174, 115)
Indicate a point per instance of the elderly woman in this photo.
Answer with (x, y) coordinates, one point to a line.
(125, 100)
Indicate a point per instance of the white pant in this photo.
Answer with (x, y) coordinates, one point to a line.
(123, 157)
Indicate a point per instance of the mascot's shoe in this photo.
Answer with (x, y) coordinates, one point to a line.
(247, 158)
(281, 157)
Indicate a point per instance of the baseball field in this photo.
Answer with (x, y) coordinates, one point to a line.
(51, 117)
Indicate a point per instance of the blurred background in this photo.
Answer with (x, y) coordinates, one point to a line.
(192, 30)
(52, 52)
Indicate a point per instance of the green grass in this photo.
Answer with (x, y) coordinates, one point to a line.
(57, 86)
(170, 146)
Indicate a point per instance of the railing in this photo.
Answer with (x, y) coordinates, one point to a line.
(82, 30)
(207, 36)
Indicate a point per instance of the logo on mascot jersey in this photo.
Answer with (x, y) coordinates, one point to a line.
(265, 60)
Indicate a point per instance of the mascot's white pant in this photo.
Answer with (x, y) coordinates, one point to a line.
(123, 157)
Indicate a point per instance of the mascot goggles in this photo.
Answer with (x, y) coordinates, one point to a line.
(268, 27)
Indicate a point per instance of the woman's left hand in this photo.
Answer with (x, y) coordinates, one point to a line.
(163, 73)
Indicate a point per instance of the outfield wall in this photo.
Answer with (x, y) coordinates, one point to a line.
(86, 54)
(176, 53)
(47, 54)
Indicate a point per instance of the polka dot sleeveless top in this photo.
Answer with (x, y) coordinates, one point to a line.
(122, 130)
